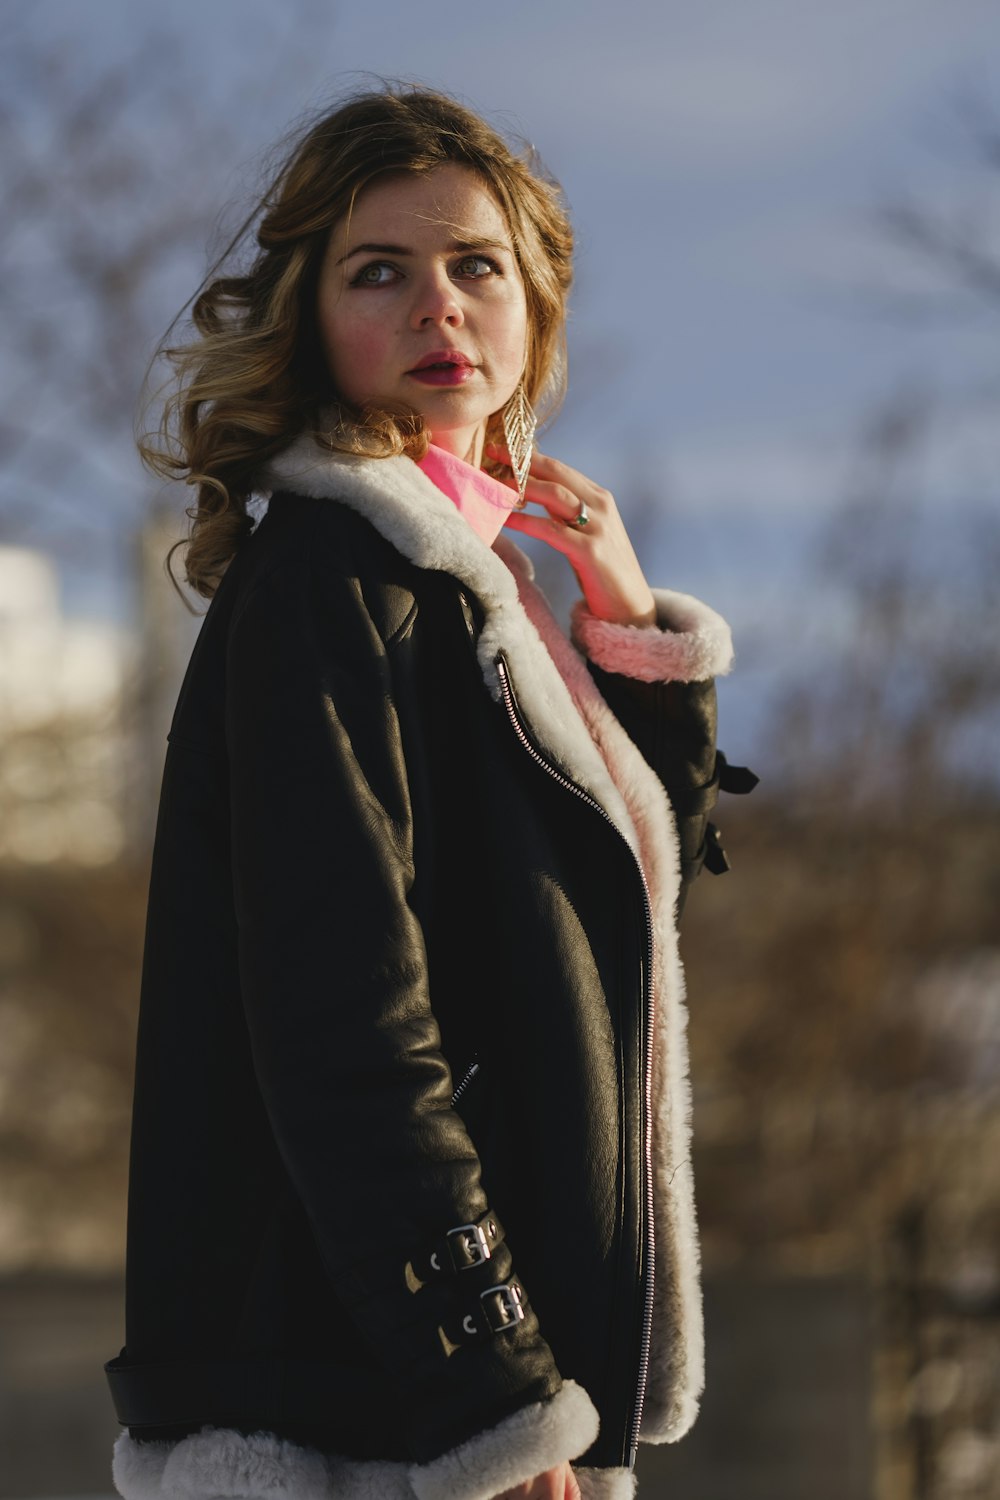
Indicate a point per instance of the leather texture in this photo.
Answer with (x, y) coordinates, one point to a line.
(360, 882)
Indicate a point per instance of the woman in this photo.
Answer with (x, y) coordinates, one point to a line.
(410, 1207)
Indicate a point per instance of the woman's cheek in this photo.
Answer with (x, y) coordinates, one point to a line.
(509, 333)
(361, 365)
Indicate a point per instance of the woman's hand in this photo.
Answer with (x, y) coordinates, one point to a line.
(600, 553)
(555, 1484)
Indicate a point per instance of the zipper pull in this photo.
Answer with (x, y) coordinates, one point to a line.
(467, 1078)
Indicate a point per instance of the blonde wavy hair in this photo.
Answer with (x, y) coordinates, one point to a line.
(255, 376)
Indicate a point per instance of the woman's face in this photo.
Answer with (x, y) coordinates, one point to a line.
(421, 302)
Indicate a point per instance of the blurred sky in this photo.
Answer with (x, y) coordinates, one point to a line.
(738, 309)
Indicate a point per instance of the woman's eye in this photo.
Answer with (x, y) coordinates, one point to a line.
(376, 273)
(477, 266)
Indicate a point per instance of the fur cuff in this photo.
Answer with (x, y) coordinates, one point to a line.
(137, 1468)
(220, 1464)
(606, 1484)
(524, 1444)
(689, 642)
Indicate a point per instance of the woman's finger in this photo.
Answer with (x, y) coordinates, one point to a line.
(554, 497)
(564, 538)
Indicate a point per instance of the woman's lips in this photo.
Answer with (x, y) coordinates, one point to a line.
(443, 374)
(444, 367)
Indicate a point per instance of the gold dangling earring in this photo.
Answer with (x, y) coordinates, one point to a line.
(519, 426)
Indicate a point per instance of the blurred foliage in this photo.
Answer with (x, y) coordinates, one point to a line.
(70, 954)
(114, 175)
(905, 713)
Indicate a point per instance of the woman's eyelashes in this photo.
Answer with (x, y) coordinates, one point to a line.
(371, 275)
(468, 268)
(479, 260)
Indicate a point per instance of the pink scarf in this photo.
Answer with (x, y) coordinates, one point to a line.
(483, 501)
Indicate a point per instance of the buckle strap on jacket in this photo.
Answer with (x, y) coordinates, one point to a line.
(735, 779)
(496, 1309)
(714, 857)
(458, 1249)
(738, 779)
(695, 801)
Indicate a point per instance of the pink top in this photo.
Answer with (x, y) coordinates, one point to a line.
(483, 501)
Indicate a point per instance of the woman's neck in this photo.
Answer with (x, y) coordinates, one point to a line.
(465, 443)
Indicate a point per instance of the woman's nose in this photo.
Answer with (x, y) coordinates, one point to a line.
(436, 303)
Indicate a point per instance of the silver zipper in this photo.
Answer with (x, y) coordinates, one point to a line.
(500, 663)
(467, 1078)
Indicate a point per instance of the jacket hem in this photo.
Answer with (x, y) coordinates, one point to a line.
(219, 1463)
(689, 642)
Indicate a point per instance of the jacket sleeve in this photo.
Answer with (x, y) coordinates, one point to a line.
(346, 1048)
(659, 681)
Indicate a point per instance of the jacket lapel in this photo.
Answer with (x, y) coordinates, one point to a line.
(677, 1364)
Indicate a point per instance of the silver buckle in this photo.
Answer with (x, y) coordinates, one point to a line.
(507, 1306)
(470, 1248)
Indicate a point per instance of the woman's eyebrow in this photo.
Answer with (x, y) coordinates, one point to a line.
(451, 247)
(485, 244)
(375, 250)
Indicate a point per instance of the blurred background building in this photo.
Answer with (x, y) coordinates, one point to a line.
(61, 751)
(784, 364)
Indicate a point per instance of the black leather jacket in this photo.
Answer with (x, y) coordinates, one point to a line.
(396, 981)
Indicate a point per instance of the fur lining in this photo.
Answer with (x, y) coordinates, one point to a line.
(218, 1463)
(676, 1373)
(521, 1446)
(688, 643)
(576, 729)
(605, 1484)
